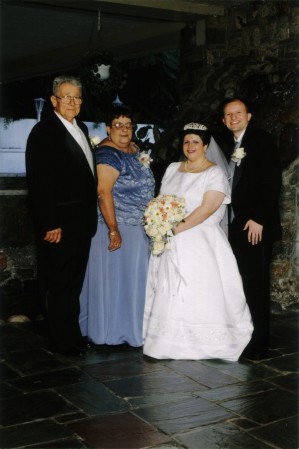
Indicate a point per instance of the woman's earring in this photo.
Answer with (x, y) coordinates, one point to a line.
(109, 138)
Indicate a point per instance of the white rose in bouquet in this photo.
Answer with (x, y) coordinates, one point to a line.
(157, 248)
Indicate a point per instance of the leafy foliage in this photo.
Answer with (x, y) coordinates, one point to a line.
(99, 93)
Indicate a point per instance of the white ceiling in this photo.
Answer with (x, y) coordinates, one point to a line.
(40, 37)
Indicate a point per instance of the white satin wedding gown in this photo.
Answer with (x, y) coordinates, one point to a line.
(195, 305)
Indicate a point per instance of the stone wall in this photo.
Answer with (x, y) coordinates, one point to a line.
(251, 52)
(18, 287)
(285, 265)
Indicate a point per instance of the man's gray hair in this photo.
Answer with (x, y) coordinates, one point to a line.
(65, 79)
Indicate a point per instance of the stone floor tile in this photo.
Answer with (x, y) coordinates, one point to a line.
(183, 415)
(285, 363)
(70, 417)
(284, 330)
(244, 423)
(235, 391)
(242, 370)
(32, 361)
(7, 391)
(38, 432)
(29, 407)
(283, 434)
(160, 382)
(155, 399)
(219, 436)
(51, 379)
(8, 372)
(166, 446)
(66, 443)
(289, 382)
(121, 431)
(288, 350)
(205, 375)
(93, 398)
(100, 354)
(120, 369)
(19, 337)
(265, 407)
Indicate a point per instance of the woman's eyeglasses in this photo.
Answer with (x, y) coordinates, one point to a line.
(119, 125)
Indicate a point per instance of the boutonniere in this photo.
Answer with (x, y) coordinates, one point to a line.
(94, 140)
(238, 155)
(145, 158)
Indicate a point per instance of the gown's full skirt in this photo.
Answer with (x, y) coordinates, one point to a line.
(113, 294)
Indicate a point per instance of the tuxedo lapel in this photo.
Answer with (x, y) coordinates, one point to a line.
(239, 169)
(72, 144)
(76, 150)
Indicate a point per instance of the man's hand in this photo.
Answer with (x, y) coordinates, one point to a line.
(53, 236)
(255, 232)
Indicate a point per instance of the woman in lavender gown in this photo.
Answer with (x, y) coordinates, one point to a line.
(113, 294)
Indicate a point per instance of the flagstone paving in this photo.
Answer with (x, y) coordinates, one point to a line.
(114, 397)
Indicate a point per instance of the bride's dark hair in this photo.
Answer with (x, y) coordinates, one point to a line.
(204, 134)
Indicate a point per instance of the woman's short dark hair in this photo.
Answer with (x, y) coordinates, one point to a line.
(119, 111)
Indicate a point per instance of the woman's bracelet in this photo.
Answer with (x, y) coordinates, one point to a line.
(113, 232)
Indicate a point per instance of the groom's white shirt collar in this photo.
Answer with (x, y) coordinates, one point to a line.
(239, 139)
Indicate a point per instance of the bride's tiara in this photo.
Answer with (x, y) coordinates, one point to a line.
(197, 126)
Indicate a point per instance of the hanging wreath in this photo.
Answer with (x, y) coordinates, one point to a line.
(92, 79)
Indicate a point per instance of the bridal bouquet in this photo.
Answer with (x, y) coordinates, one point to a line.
(161, 215)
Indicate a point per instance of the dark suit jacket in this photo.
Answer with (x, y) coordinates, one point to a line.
(257, 183)
(62, 187)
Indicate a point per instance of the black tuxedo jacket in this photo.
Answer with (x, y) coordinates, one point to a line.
(257, 183)
(61, 185)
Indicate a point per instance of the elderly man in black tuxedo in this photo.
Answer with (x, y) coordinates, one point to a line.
(63, 198)
(255, 222)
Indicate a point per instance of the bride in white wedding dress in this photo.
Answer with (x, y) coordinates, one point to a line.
(195, 305)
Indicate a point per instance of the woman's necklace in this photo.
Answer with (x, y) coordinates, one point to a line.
(194, 169)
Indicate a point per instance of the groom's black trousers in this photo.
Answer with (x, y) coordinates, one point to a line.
(254, 266)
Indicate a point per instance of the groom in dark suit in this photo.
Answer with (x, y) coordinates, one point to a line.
(63, 199)
(255, 222)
